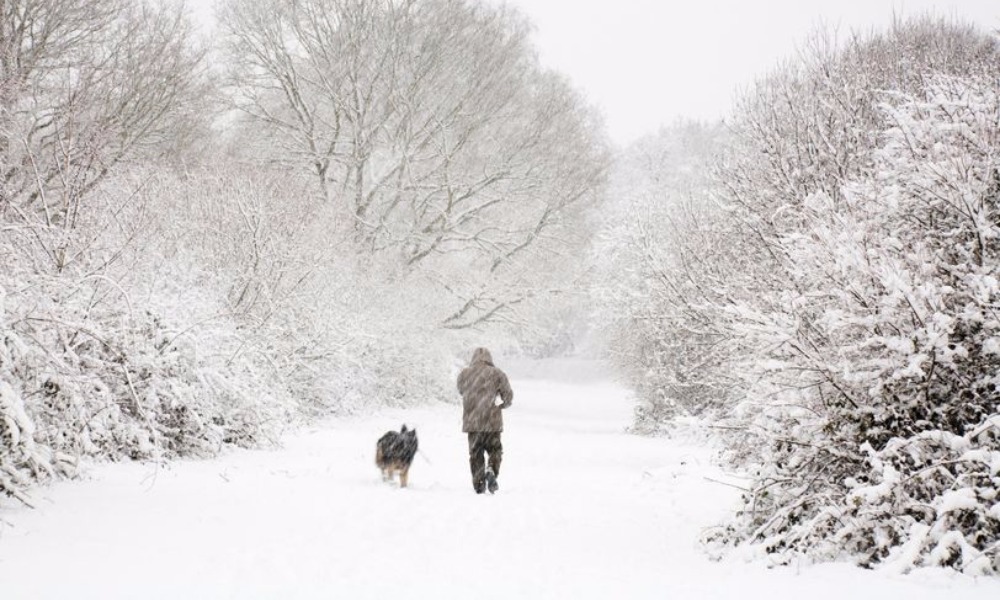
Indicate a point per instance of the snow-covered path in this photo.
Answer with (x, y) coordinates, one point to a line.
(584, 511)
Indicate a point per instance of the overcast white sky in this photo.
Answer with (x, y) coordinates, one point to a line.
(648, 62)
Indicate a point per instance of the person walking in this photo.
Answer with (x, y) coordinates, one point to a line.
(485, 393)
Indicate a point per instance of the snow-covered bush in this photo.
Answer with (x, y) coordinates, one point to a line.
(868, 198)
(340, 331)
(830, 297)
(102, 377)
(22, 460)
(887, 448)
(660, 241)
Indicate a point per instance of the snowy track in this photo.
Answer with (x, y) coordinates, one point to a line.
(584, 511)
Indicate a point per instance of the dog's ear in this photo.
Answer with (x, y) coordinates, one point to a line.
(403, 430)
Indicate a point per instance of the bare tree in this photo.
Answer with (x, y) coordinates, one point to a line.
(85, 85)
(427, 123)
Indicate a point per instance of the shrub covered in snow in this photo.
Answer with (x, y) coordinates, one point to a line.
(848, 288)
(891, 450)
(653, 256)
(89, 374)
(22, 460)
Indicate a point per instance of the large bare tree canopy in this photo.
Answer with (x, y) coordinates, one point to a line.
(85, 84)
(428, 123)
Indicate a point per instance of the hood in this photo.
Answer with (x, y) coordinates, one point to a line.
(481, 355)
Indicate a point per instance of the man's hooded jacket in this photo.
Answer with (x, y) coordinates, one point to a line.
(480, 383)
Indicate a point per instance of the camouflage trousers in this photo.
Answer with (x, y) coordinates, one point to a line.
(484, 442)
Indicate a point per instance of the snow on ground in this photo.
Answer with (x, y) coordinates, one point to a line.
(584, 511)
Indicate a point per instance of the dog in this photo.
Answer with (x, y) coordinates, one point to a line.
(395, 452)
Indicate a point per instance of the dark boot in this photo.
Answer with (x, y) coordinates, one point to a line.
(491, 481)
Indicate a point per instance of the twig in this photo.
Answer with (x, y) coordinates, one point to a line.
(136, 403)
(19, 495)
(732, 485)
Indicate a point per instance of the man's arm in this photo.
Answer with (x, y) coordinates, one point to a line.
(506, 394)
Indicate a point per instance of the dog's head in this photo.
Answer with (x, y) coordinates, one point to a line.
(408, 436)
